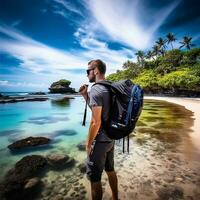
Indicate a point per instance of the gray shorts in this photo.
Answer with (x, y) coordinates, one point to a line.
(100, 158)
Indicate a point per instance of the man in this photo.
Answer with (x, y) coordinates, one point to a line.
(100, 148)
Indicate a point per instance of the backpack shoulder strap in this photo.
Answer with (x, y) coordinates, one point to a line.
(105, 83)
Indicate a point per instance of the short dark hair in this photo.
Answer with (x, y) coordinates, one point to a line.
(99, 64)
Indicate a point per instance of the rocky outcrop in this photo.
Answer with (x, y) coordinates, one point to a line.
(28, 142)
(61, 86)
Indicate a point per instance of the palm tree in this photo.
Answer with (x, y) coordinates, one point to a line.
(161, 44)
(150, 55)
(140, 57)
(170, 38)
(156, 50)
(186, 42)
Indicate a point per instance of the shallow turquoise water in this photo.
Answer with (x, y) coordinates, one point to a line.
(62, 122)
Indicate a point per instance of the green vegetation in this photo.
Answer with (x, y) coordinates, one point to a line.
(62, 82)
(164, 67)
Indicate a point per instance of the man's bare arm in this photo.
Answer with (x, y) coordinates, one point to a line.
(94, 124)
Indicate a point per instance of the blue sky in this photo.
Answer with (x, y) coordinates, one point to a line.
(42, 41)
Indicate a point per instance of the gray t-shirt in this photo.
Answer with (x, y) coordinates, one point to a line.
(100, 96)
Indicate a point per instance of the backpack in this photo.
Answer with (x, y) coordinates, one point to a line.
(126, 104)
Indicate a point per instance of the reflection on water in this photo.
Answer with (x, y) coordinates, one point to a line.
(64, 102)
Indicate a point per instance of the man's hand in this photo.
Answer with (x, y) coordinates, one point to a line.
(83, 90)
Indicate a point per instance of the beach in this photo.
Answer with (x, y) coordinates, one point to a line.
(163, 162)
(153, 171)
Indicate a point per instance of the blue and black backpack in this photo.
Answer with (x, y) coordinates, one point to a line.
(126, 104)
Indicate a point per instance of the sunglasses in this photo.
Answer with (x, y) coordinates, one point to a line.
(88, 70)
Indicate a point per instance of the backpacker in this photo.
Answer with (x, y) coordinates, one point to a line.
(125, 108)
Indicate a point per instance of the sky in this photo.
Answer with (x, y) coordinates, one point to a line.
(42, 41)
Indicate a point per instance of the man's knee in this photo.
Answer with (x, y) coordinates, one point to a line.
(94, 177)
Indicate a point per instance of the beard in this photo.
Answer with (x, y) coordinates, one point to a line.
(92, 80)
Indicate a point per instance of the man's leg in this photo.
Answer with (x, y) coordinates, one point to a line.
(96, 189)
(113, 182)
(94, 168)
(109, 168)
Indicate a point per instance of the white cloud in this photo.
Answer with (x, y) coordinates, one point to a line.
(6, 83)
(38, 57)
(16, 23)
(65, 8)
(35, 55)
(68, 6)
(3, 83)
(121, 21)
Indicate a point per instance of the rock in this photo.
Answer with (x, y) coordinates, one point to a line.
(21, 99)
(179, 179)
(4, 96)
(81, 146)
(18, 183)
(58, 197)
(28, 166)
(60, 161)
(61, 86)
(169, 179)
(37, 93)
(82, 168)
(32, 183)
(29, 142)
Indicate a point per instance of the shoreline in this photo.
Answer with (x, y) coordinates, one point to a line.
(192, 104)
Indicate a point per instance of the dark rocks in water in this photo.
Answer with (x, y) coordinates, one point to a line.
(29, 142)
(37, 93)
(22, 182)
(28, 166)
(61, 86)
(21, 99)
(3, 96)
(18, 182)
(81, 146)
(170, 192)
(60, 161)
(82, 168)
